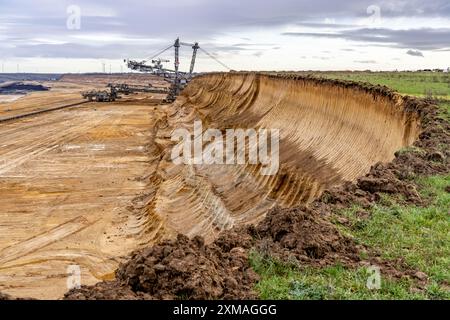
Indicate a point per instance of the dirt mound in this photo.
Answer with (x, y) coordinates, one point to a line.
(301, 235)
(181, 268)
(187, 268)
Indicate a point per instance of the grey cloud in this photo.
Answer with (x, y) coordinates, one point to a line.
(365, 61)
(198, 20)
(425, 39)
(416, 8)
(414, 53)
(72, 50)
(250, 44)
(324, 25)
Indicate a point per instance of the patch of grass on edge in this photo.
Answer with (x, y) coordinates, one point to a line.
(411, 149)
(445, 110)
(280, 281)
(419, 235)
(420, 84)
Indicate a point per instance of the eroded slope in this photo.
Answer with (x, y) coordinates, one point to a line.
(330, 132)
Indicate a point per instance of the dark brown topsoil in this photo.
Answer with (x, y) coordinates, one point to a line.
(189, 269)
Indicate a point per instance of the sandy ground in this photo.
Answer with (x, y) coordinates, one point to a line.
(7, 98)
(60, 94)
(67, 181)
(67, 91)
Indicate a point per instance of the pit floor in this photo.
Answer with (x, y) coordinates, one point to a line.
(67, 183)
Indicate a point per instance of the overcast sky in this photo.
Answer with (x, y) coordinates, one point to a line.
(50, 36)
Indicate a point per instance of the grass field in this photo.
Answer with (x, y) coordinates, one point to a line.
(418, 235)
(436, 84)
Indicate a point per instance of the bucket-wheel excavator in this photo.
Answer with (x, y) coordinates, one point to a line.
(177, 78)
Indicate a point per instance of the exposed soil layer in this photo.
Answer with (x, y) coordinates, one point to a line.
(330, 132)
(191, 269)
(429, 155)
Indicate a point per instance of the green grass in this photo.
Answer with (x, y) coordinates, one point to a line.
(280, 281)
(445, 110)
(410, 149)
(419, 235)
(418, 84)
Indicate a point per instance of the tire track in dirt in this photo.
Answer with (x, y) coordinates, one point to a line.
(66, 180)
(40, 241)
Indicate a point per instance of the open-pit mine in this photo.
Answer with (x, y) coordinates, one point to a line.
(86, 184)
